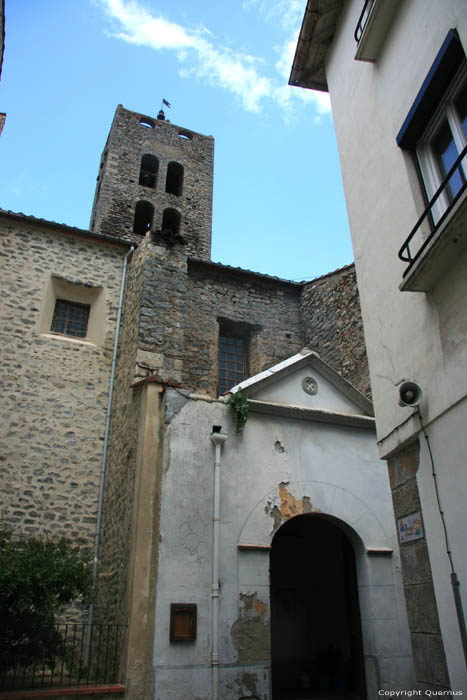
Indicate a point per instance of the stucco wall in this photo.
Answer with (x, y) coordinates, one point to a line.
(55, 387)
(278, 469)
(410, 335)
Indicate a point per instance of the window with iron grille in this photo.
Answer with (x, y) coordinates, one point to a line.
(70, 318)
(231, 362)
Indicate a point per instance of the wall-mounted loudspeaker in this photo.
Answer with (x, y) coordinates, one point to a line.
(410, 394)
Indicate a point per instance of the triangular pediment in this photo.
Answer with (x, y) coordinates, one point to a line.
(306, 383)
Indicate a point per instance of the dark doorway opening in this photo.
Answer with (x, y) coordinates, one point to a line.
(316, 641)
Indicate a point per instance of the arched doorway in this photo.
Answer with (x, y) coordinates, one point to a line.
(316, 641)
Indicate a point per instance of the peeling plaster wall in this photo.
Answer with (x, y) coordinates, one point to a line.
(279, 468)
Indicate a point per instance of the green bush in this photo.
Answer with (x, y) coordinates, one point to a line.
(38, 579)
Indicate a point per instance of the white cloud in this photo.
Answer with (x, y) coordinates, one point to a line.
(201, 57)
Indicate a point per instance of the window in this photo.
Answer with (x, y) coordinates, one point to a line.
(70, 318)
(146, 121)
(373, 27)
(73, 311)
(174, 181)
(442, 143)
(435, 131)
(231, 361)
(148, 170)
(171, 220)
(144, 214)
(436, 128)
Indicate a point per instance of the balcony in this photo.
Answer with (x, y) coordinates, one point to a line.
(434, 245)
(372, 27)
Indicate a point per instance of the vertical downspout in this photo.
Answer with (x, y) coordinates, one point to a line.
(218, 439)
(106, 440)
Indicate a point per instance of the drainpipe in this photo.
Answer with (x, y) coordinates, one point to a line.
(106, 442)
(218, 439)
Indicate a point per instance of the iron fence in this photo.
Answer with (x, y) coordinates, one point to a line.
(85, 654)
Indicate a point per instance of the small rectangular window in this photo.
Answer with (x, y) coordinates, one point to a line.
(70, 318)
(231, 362)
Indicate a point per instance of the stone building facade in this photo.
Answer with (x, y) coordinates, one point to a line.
(157, 308)
(55, 387)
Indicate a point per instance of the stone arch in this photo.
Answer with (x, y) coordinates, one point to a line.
(174, 179)
(148, 170)
(378, 593)
(289, 499)
(144, 214)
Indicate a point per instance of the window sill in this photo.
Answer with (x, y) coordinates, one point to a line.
(376, 28)
(441, 252)
(69, 338)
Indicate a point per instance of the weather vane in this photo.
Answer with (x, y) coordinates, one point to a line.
(161, 114)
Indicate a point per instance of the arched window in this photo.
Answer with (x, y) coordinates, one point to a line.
(144, 214)
(171, 220)
(145, 121)
(148, 171)
(174, 181)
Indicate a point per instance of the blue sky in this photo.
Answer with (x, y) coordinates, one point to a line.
(278, 201)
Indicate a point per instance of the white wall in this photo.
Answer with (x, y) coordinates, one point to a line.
(277, 462)
(409, 335)
(403, 330)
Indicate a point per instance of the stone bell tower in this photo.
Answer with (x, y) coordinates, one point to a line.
(155, 175)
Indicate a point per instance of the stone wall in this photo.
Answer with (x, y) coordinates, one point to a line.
(164, 301)
(333, 325)
(118, 189)
(268, 308)
(120, 478)
(427, 643)
(54, 387)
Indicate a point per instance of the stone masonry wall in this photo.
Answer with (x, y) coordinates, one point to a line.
(269, 306)
(333, 325)
(54, 388)
(164, 301)
(120, 479)
(427, 643)
(118, 189)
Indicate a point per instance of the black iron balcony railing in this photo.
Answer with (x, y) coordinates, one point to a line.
(84, 654)
(405, 253)
(362, 20)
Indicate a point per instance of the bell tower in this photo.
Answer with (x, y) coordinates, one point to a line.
(155, 175)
